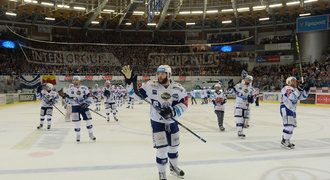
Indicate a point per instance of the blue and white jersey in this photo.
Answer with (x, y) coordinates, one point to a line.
(219, 100)
(111, 97)
(48, 98)
(193, 93)
(97, 93)
(291, 97)
(242, 92)
(159, 96)
(78, 95)
(130, 90)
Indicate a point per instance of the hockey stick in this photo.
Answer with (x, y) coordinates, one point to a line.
(300, 61)
(97, 113)
(183, 126)
(58, 109)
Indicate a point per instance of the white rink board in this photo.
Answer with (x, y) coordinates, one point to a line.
(123, 150)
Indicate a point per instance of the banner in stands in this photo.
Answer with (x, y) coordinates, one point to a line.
(310, 99)
(312, 23)
(26, 97)
(72, 58)
(323, 99)
(191, 59)
(269, 58)
(30, 82)
(276, 47)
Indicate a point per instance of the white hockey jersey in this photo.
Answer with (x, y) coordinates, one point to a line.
(78, 95)
(291, 96)
(112, 97)
(48, 97)
(242, 92)
(159, 96)
(219, 100)
(97, 93)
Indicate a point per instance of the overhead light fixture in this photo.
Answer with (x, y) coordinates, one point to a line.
(244, 9)
(138, 12)
(292, 3)
(11, 14)
(95, 22)
(211, 11)
(108, 11)
(13, 0)
(79, 8)
(184, 12)
(305, 14)
(31, 1)
(47, 4)
(151, 24)
(276, 5)
(309, 1)
(227, 10)
(264, 19)
(63, 6)
(196, 12)
(258, 8)
(128, 24)
(49, 18)
(190, 24)
(226, 22)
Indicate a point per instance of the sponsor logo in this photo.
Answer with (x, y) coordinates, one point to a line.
(27, 97)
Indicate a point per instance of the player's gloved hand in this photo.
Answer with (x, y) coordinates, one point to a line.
(167, 112)
(231, 84)
(84, 106)
(51, 102)
(39, 89)
(128, 74)
(106, 93)
(250, 99)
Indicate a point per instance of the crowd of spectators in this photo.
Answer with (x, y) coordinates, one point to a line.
(277, 39)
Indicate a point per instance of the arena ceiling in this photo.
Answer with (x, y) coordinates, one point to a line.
(171, 14)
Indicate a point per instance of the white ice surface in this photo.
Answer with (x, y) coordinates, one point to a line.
(123, 150)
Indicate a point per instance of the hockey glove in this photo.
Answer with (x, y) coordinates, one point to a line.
(106, 93)
(128, 74)
(167, 112)
(84, 106)
(250, 99)
(39, 89)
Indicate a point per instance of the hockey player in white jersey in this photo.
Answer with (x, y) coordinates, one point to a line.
(97, 94)
(109, 95)
(169, 101)
(49, 97)
(218, 101)
(80, 99)
(244, 97)
(130, 93)
(291, 94)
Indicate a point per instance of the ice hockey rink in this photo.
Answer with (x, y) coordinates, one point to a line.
(123, 150)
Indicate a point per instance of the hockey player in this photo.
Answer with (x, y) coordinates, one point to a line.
(80, 99)
(130, 92)
(49, 97)
(218, 101)
(291, 94)
(110, 101)
(96, 92)
(244, 98)
(169, 101)
(193, 97)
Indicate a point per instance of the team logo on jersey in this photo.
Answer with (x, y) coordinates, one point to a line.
(78, 93)
(165, 96)
(154, 92)
(175, 96)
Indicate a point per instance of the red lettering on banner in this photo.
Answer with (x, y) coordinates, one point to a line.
(146, 78)
(88, 78)
(67, 78)
(323, 99)
(107, 78)
(182, 78)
